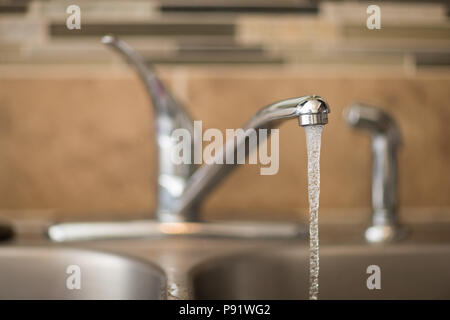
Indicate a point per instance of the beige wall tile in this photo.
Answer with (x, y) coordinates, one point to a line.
(83, 147)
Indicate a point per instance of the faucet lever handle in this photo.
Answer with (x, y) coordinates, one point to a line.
(169, 116)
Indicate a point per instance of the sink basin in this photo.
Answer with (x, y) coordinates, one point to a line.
(407, 272)
(40, 273)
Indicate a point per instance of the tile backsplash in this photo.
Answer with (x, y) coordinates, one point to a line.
(79, 144)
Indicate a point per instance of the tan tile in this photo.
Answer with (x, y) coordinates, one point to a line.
(84, 147)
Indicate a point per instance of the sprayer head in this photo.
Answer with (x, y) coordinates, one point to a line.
(313, 111)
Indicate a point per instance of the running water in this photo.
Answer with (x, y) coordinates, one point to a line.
(313, 140)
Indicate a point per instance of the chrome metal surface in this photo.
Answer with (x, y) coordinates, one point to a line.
(41, 273)
(407, 272)
(314, 112)
(64, 232)
(214, 267)
(169, 115)
(208, 176)
(386, 140)
(181, 188)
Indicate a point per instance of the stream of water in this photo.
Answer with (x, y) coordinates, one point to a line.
(313, 141)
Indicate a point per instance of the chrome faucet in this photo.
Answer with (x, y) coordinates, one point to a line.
(386, 139)
(169, 115)
(182, 187)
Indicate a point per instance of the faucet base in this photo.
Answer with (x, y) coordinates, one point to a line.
(378, 234)
(85, 231)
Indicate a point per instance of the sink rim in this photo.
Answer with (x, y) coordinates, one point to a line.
(147, 263)
(132, 265)
(300, 250)
(231, 264)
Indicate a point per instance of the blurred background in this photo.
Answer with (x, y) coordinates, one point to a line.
(76, 129)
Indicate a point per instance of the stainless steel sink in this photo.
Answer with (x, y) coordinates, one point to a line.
(176, 267)
(407, 272)
(40, 273)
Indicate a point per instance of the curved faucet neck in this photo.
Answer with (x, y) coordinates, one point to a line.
(208, 176)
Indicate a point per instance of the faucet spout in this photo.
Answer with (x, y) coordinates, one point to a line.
(309, 110)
